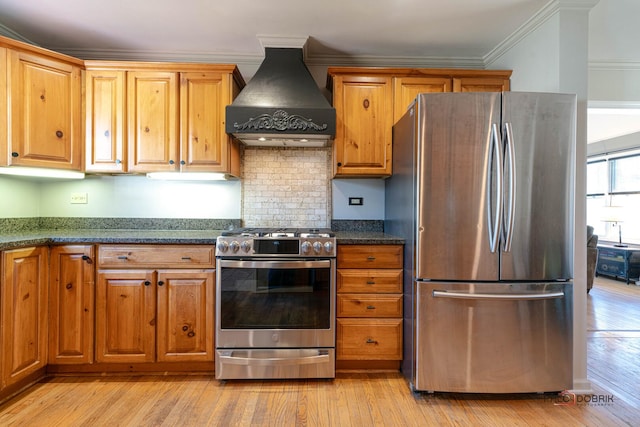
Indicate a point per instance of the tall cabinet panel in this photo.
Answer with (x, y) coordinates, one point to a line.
(104, 98)
(152, 108)
(23, 299)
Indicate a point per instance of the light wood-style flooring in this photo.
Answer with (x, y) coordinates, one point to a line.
(352, 399)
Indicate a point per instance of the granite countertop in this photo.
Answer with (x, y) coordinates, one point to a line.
(127, 236)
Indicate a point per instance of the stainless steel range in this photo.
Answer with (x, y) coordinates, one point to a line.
(275, 304)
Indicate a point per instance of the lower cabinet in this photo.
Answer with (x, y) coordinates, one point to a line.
(148, 314)
(369, 306)
(71, 304)
(23, 303)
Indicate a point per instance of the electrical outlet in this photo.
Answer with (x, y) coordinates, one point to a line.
(79, 198)
(356, 201)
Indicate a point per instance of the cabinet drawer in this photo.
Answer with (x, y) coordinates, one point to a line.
(369, 256)
(155, 256)
(369, 339)
(365, 305)
(369, 281)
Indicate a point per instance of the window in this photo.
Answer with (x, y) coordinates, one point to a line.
(614, 180)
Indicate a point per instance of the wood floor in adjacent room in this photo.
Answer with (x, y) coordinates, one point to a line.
(352, 399)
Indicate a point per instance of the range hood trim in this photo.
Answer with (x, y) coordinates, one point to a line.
(281, 102)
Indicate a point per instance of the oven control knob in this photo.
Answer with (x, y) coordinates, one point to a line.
(223, 246)
(245, 246)
(317, 247)
(305, 247)
(328, 247)
(234, 246)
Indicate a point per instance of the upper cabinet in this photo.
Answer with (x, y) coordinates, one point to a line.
(368, 101)
(148, 117)
(42, 114)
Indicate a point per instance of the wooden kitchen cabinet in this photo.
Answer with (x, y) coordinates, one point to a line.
(105, 121)
(43, 107)
(364, 118)
(147, 313)
(23, 302)
(369, 306)
(369, 101)
(71, 304)
(174, 121)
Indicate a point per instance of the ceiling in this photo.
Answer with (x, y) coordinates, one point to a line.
(457, 33)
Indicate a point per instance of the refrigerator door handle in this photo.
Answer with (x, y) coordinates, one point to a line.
(522, 297)
(495, 160)
(510, 197)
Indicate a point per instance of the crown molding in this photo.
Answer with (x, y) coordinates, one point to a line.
(614, 65)
(533, 23)
(8, 32)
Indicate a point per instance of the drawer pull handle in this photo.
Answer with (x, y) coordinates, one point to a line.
(87, 258)
(371, 307)
(370, 282)
(371, 258)
(371, 341)
(186, 258)
(122, 257)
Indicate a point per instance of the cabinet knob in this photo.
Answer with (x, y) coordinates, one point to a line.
(118, 161)
(147, 283)
(146, 129)
(106, 133)
(59, 134)
(171, 162)
(160, 283)
(69, 286)
(365, 103)
(182, 162)
(14, 154)
(339, 164)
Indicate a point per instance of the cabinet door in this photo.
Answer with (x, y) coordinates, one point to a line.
(204, 142)
(364, 114)
(405, 90)
(185, 315)
(125, 316)
(480, 84)
(71, 304)
(105, 143)
(23, 295)
(152, 123)
(45, 98)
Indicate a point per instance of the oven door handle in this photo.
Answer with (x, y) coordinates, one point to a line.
(226, 356)
(291, 264)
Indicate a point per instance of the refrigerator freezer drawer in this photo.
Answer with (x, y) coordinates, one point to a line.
(493, 337)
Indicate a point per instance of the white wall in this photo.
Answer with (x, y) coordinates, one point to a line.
(19, 198)
(120, 197)
(552, 56)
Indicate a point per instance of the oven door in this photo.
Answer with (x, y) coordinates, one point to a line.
(275, 319)
(275, 303)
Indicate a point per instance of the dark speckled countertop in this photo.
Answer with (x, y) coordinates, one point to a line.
(12, 236)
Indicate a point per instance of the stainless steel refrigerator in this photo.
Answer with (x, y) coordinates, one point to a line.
(482, 191)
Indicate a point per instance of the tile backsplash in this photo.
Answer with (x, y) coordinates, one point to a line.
(286, 187)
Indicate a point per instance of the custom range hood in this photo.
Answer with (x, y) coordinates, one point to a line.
(282, 105)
